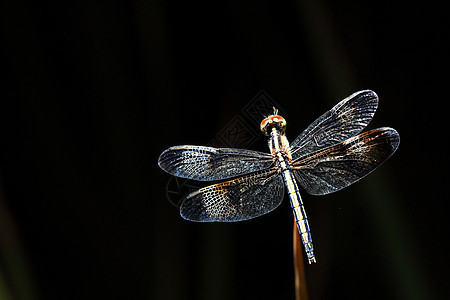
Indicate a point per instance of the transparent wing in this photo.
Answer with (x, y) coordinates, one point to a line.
(339, 166)
(208, 163)
(343, 121)
(239, 199)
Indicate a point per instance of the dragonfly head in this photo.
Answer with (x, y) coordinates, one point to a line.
(276, 121)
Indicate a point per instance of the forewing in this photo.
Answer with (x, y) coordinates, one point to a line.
(239, 199)
(339, 166)
(343, 121)
(208, 163)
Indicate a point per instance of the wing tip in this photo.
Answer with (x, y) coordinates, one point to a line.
(365, 93)
(393, 136)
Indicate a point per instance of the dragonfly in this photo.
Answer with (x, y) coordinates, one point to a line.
(331, 154)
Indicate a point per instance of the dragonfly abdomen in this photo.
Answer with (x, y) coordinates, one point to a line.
(299, 214)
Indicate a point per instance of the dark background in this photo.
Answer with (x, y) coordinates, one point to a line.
(94, 91)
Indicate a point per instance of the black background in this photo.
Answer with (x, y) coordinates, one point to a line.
(94, 91)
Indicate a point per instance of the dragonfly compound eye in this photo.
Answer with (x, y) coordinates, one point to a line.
(276, 121)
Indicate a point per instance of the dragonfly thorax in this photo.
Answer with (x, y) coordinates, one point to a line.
(272, 121)
(279, 148)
